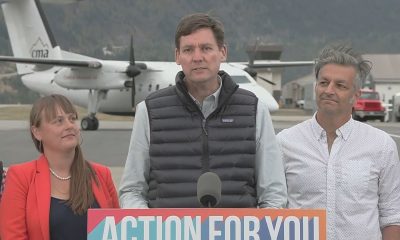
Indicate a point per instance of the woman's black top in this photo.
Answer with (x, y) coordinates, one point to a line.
(64, 224)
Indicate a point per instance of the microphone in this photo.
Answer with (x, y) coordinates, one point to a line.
(209, 189)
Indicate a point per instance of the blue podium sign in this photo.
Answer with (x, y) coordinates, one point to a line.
(206, 223)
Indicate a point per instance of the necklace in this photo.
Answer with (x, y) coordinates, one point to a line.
(59, 177)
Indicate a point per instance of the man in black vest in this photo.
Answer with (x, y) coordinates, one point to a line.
(204, 123)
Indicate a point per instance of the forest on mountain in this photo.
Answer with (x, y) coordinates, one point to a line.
(301, 27)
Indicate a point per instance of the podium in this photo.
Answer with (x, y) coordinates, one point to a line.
(206, 223)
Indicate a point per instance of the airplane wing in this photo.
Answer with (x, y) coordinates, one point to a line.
(93, 64)
(53, 62)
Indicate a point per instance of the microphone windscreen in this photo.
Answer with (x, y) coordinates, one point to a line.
(209, 189)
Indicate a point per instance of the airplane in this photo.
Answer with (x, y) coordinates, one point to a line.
(108, 86)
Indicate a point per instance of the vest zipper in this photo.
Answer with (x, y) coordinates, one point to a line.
(204, 126)
(206, 157)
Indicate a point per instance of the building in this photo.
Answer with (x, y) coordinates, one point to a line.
(299, 89)
(385, 74)
(269, 78)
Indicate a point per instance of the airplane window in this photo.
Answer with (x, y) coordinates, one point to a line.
(157, 86)
(149, 87)
(240, 79)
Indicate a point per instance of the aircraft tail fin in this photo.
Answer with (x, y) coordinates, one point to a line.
(29, 32)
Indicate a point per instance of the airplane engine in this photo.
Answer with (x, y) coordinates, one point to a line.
(89, 79)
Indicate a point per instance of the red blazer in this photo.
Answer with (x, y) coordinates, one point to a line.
(25, 205)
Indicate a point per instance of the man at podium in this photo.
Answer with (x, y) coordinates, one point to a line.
(204, 123)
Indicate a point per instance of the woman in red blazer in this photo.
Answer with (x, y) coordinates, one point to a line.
(48, 198)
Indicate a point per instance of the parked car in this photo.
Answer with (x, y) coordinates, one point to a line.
(300, 103)
(368, 106)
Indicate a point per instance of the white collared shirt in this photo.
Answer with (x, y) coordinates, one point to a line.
(210, 102)
(358, 182)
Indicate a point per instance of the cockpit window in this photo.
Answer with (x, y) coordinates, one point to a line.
(240, 79)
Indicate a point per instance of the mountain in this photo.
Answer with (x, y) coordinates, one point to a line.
(302, 27)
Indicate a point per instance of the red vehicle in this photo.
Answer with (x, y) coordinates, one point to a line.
(368, 106)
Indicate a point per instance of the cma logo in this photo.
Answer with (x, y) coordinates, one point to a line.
(39, 49)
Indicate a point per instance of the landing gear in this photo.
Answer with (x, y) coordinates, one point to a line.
(90, 123)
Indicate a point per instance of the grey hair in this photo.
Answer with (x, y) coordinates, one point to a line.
(343, 54)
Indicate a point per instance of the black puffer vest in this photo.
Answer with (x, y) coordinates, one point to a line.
(183, 145)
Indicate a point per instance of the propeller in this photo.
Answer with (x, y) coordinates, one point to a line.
(268, 81)
(253, 73)
(133, 70)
